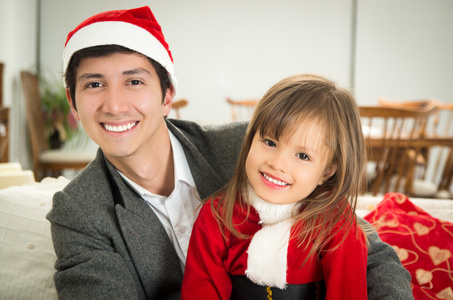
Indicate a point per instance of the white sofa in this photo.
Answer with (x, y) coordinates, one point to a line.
(26, 253)
(27, 256)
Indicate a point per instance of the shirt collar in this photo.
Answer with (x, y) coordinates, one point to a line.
(182, 170)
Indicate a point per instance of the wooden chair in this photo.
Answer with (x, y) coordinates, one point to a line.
(46, 162)
(443, 161)
(178, 104)
(2, 67)
(408, 104)
(417, 104)
(4, 122)
(4, 134)
(394, 139)
(241, 110)
(438, 164)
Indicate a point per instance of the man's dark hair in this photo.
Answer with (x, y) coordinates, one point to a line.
(106, 50)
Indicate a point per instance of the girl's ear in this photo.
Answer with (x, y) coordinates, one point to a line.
(328, 172)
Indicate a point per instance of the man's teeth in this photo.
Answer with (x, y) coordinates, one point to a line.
(275, 181)
(119, 128)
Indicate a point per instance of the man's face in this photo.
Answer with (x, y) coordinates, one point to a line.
(119, 103)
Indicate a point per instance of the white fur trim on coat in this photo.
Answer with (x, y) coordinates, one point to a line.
(267, 253)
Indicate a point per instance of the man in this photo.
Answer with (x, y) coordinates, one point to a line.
(121, 228)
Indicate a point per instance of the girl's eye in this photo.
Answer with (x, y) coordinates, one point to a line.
(269, 143)
(302, 156)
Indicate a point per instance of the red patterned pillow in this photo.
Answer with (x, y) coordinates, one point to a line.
(423, 243)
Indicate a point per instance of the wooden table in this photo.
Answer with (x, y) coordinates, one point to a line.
(376, 147)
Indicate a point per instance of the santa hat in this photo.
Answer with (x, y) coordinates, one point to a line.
(136, 29)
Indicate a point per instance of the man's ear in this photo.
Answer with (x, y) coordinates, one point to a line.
(168, 97)
(328, 172)
(74, 111)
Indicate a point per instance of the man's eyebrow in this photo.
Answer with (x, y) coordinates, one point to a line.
(136, 71)
(89, 76)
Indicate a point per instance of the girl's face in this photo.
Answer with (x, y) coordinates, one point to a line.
(287, 170)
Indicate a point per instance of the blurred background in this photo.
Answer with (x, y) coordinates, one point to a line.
(399, 49)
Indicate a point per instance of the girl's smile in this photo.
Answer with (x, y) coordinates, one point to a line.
(273, 181)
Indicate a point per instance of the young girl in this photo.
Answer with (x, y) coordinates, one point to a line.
(285, 225)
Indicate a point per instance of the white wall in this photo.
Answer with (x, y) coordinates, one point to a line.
(17, 51)
(240, 48)
(232, 48)
(405, 50)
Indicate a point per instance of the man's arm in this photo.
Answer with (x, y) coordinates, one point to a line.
(87, 267)
(386, 276)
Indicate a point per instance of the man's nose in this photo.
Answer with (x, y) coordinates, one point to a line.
(115, 101)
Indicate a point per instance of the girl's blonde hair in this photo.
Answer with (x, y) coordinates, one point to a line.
(307, 98)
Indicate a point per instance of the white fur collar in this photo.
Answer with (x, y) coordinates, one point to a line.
(270, 213)
(267, 252)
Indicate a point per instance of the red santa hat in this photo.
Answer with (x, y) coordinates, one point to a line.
(136, 29)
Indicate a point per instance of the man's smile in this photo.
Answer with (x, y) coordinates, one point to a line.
(119, 128)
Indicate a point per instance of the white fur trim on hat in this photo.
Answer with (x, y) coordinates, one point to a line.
(123, 34)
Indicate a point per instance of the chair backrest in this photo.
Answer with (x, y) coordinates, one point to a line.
(444, 121)
(33, 107)
(4, 134)
(440, 167)
(2, 66)
(439, 164)
(178, 104)
(4, 122)
(393, 138)
(241, 110)
(408, 104)
(416, 104)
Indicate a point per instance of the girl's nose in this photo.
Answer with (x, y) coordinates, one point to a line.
(278, 162)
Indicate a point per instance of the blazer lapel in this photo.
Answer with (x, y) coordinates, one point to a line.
(153, 255)
(150, 249)
(206, 179)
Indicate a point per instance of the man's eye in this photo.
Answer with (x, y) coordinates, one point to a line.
(302, 156)
(269, 143)
(93, 85)
(135, 82)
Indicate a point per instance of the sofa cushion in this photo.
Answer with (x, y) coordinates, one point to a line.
(27, 256)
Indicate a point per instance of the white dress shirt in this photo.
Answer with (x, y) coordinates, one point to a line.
(178, 212)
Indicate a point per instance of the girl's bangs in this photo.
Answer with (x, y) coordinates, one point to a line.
(283, 117)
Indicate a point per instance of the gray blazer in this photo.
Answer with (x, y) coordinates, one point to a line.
(111, 245)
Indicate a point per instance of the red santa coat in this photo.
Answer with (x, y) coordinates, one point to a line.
(270, 257)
